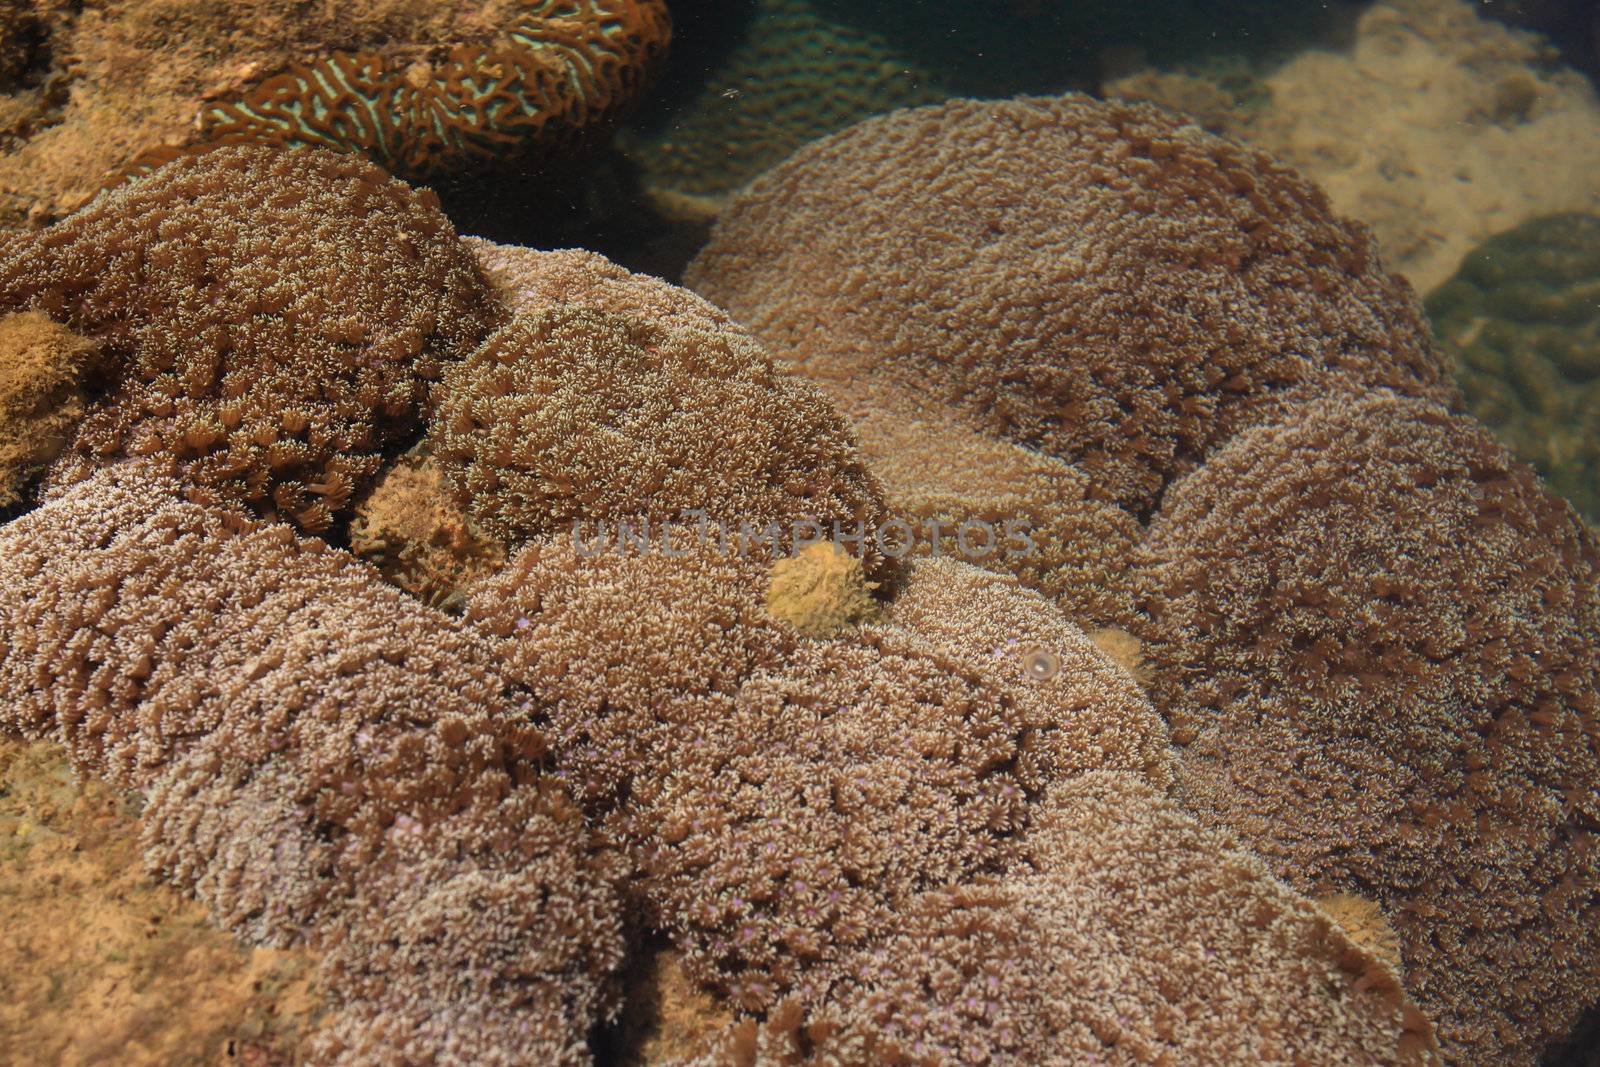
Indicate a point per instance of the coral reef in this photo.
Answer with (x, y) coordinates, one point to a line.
(421, 88)
(326, 760)
(1374, 633)
(1437, 127)
(411, 528)
(1522, 319)
(1101, 281)
(42, 365)
(819, 591)
(572, 415)
(278, 318)
(1222, 958)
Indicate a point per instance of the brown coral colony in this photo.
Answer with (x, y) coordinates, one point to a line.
(1287, 743)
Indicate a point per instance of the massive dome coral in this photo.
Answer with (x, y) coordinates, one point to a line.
(1102, 281)
(1375, 633)
(573, 415)
(277, 319)
(325, 760)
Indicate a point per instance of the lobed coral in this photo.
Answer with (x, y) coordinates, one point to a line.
(42, 365)
(277, 319)
(325, 760)
(1224, 964)
(572, 415)
(1102, 281)
(1374, 632)
(1520, 317)
(681, 709)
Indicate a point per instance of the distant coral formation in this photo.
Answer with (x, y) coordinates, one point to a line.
(326, 761)
(277, 319)
(1375, 635)
(1423, 88)
(1101, 281)
(1522, 319)
(42, 366)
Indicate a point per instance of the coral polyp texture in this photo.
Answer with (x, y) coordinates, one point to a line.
(423, 89)
(563, 69)
(1522, 319)
(325, 760)
(1375, 634)
(1105, 282)
(1076, 957)
(274, 319)
(573, 415)
(907, 754)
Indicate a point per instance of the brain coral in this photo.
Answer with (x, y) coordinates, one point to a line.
(422, 88)
(1375, 633)
(562, 69)
(325, 759)
(681, 710)
(572, 414)
(41, 366)
(1099, 280)
(280, 315)
(1074, 958)
(1522, 319)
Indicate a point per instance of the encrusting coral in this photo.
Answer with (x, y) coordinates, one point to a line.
(1102, 281)
(821, 590)
(573, 415)
(325, 760)
(1365, 923)
(1374, 633)
(411, 528)
(1075, 958)
(276, 319)
(422, 89)
(42, 365)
